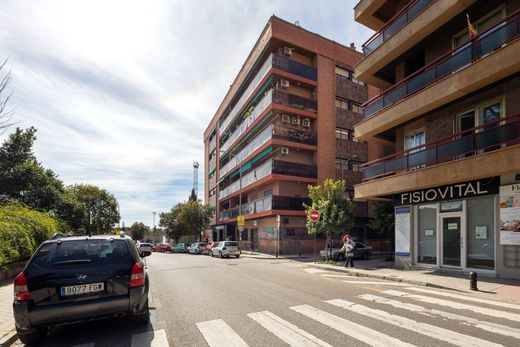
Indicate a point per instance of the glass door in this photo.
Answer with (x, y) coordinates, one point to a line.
(451, 241)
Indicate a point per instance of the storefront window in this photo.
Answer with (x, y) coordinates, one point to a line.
(427, 234)
(451, 206)
(481, 233)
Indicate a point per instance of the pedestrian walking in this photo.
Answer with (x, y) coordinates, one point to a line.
(348, 250)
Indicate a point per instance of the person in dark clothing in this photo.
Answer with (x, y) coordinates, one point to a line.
(348, 250)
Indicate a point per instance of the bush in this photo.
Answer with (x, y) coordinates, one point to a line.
(22, 230)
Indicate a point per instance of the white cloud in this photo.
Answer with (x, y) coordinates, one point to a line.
(121, 91)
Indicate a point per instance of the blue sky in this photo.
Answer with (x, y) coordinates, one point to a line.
(121, 91)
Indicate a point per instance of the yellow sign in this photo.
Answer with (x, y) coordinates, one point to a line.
(241, 221)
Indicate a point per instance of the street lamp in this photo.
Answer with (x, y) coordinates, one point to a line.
(239, 162)
(154, 226)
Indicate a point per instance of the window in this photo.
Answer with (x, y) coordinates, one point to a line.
(342, 72)
(212, 192)
(415, 139)
(356, 107)
(344, 134)
(348, 105)
(355, 166)
(480, 25)
(427, 234)
(343, 104)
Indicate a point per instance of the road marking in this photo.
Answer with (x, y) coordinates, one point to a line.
(456, 305)
(286, 331)
(409, 324)
(359, 332)
(315, 271)
(375, 282)
(488, 326)
(91, 344)
(218, 333)
(464, 297)
(156, 338)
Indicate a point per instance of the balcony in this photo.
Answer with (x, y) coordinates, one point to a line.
(295, 101)
(269, 167)
(351, 177)
(294, 135)
(486, 150)
(264, 204)
(354, 91)
(488, 58)
(414, 23)
(347, 149)
(272, 61)
(397, 22)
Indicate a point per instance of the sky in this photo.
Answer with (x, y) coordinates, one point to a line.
(122, 91)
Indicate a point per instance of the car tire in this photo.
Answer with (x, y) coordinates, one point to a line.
(220, 255)
(238, 256)
(366, 256)
(32, 338)
(143, 318)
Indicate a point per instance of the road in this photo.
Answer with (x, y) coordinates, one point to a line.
(201, 301)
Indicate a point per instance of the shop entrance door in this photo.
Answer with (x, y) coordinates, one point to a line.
(451, 241)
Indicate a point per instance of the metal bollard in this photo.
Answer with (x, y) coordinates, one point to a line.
(473, 281)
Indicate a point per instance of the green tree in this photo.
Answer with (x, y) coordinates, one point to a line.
(175, 228)
(336, 210)
(138, 230)
(196, 217)
(25, 181)
(99, 204)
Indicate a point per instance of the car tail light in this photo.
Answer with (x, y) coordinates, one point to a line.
(137, 276)
(21, 290)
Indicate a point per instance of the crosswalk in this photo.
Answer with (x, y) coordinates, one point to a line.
(441, 318)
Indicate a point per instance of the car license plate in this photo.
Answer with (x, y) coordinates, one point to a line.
(82, 289)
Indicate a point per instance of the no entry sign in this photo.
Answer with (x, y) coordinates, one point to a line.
(315, 215)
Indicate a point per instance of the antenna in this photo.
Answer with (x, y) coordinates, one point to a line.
(196, 177)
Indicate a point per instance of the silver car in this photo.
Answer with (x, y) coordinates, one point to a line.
(225, 249)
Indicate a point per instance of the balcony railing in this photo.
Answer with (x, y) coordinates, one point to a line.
(487, 137)
(294, 135)
(267, 168)
(266, 203)
(397, 22)
(295, 101)
(276, 61)
(483, 44)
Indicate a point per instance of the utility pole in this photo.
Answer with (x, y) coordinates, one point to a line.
(154, 226)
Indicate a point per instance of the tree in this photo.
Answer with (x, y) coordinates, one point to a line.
(139, 230)
(175, 228)
(25, 181)
(336, 211)
(5, 114)
(100, 205)
(384, 220)
(187, 218)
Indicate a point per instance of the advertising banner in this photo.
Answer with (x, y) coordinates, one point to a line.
(402, 231)
(510, 214)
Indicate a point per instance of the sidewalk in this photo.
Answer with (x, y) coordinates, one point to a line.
(489, 287)
(7, 332)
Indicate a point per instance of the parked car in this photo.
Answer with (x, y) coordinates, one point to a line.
(196, 248)
(361, 251)
(180, 248)
(144, 246)
(163, 247)
(75, 279)
(225, 249)
(208, 248)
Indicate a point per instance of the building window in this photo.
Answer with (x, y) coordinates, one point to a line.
(415, 139)
(348, 105)
(481, 233)
(356, 107)
(342, 72)
(343, 104)
(341, 164)
(480, 25)
(212, 192)
(427, 234)
(355, 166)
(343, 134)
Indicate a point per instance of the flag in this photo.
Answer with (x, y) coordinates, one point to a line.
(471, 29)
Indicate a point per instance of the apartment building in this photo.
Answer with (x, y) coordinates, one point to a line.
(448, 117)
(286, 122)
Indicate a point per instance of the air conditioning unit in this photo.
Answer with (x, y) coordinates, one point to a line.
(286, 118)
(306, 122)
(295, 120)
(284, 150)
(285, 84)
(287, 50)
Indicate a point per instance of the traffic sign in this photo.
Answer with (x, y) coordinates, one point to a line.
(241, 221)
(315, 215)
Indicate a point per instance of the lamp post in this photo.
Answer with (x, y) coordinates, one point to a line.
(239, 162)
(154, 226)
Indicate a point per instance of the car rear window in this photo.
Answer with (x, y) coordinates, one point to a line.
(232, 244)
(82, 252)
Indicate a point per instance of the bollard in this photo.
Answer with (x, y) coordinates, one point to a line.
(473, 281)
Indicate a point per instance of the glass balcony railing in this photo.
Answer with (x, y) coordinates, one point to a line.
(482, 45)
(404, 16)
(254, 114)
(295, 101)
(266, 203)
(267, 168)
(490, 136)
(294, 135)
(276, 61)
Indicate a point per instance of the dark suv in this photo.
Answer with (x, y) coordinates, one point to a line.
(75, 279)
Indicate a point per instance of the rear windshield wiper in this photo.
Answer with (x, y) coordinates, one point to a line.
(73, 261)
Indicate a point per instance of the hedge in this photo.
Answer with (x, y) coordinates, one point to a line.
(22, 230)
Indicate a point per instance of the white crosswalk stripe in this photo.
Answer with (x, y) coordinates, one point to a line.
(409, 324)
(357, 331)
(487, 326)
(218, 334)
(457, 305)
(286, 331)
(156, 338)
(376, 283)
(464, 297)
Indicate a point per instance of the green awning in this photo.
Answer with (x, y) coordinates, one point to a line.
(250, 163)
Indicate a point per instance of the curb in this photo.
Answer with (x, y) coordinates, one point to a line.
(9, 338)
(381, 277)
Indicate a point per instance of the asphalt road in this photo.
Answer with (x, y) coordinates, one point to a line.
(199, 300)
